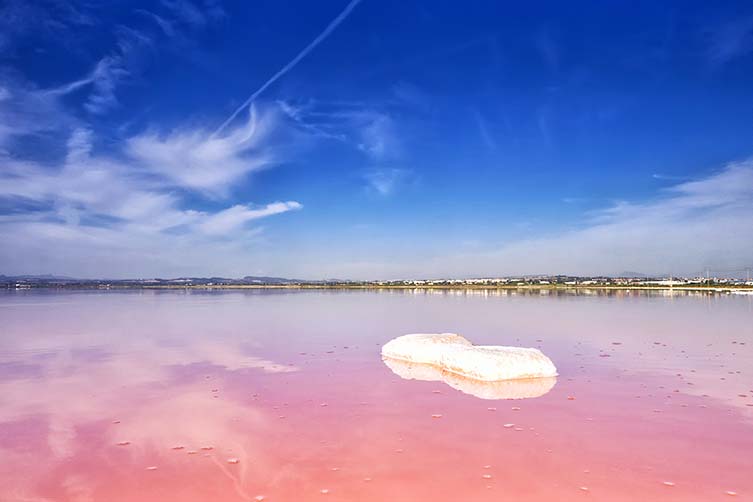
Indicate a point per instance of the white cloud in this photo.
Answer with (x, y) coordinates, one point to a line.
(687, 228)
(146, 208)
(370, 130)
(377, 136)
(694, 225)
(134, 44)
(385, 181)
(26, 109)
(107, 73)
(197, 160)
(235, 217)
(186, 11)
(96, 215)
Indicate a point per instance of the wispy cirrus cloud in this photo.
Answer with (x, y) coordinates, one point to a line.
(26, 109)
(371, 130)
(105, 77)
(366, 127)
(134, 45)
(669, 177)
(115, 213)
(386, 181)
(233, 218)
(688, 227)
(155, 202)
(197, 160)
(197, 15)
(682, 230)
(377, 136)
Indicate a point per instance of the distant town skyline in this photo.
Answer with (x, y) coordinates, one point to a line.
(369, 140)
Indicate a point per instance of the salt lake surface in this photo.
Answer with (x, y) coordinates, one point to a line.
(283, 396)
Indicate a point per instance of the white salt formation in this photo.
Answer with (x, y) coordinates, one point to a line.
(500, 389)
(454, 354)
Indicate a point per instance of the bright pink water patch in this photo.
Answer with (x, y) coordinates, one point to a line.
(236, 396)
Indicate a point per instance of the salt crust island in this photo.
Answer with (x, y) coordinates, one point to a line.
(454, 354)
(524, 388)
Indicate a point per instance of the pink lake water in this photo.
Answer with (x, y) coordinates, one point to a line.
(283, 396)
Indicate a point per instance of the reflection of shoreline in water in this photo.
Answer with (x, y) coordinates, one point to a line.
(502, 389)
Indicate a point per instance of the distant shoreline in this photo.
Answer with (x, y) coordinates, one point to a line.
(442, 287)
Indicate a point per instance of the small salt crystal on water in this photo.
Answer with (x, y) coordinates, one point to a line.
(668, 483)
(731, 493)
(259, 498)
(584, 488)
(436, 415)
(367, 479)
(324, 491)
(151, 468)
(508, 426)
(486, 476)
(233, 460)
(515, 408)
(492, 409)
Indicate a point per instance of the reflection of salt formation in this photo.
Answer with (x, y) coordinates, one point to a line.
(500, 389)
(454, 354)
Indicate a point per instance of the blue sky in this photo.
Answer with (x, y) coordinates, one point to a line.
(384, 139)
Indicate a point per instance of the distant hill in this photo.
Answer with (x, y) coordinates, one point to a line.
(40, 277)
(251, 279)
(636, 275)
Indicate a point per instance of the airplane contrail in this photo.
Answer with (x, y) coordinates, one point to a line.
(323, 35)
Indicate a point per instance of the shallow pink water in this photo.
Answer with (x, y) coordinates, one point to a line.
(654, 400)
